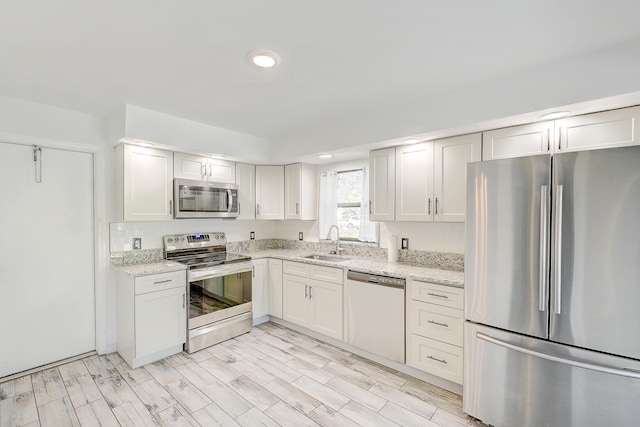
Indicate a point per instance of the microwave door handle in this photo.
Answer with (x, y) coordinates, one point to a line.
(229, 200)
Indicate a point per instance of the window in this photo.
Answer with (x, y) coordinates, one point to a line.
(349, 192)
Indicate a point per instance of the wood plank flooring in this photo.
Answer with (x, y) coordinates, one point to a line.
(272, 376)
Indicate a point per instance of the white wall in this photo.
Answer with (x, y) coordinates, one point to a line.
(569, 80)
(151, 232)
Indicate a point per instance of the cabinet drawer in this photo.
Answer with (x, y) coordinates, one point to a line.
(437, 322)
(447, 296)
(326, 274)
(295, 268)
(159, 282)
(434, 357)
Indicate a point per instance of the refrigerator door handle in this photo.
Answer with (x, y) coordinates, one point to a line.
(558, 254)
(566, 361)
(544, 233)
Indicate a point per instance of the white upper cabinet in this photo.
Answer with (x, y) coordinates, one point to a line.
(431, 178)
(616, 128)
(450, 175)
(246, 180)
(382, 178)
(144, 183)
(269, 192)
(300, 192)
(414, 182)
(518, 141)
(189, 166)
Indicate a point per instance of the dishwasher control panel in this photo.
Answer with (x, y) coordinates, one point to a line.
(376, 279)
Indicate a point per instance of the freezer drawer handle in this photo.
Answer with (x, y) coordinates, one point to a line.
(437, 360)
(599, 368)
(438, 323)
(437, 295)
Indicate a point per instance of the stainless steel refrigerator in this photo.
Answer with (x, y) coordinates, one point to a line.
(552, 290)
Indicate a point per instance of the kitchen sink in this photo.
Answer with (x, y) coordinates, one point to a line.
(334, 258)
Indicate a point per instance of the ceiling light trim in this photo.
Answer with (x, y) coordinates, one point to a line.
(264, 59)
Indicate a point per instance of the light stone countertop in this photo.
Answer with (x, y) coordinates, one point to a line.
(369, 265)
(137, 270)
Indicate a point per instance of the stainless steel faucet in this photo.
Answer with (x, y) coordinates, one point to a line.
(338, 248)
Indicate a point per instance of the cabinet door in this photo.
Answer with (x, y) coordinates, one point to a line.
(292, 190)
(616, 128)
(296, 306)
(414, 182)
(450, 182)
(326, 301)
(188, 166)
(221, 171)
(518, 141)
(382, 178)
(161, 320)
(275, 288)
(259, 288)
(270, 192)
(148, 184)
(246, 180)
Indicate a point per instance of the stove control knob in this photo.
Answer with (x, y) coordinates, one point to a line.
(169, 240)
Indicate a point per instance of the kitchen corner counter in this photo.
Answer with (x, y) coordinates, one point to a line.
(137, 270)
(369, 265)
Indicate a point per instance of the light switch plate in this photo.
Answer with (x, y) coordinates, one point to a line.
(405, 243)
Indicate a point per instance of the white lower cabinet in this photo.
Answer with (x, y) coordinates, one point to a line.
(275, 288)
(435, 321)
(260, 288)
(152, 316)
(310, 302)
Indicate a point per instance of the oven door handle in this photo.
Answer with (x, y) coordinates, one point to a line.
(218, 271)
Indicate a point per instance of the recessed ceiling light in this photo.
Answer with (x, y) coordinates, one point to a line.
(264, 58)
(555, 115)
(411, 141)
(325, 156)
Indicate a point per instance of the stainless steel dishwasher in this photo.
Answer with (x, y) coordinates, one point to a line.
(375, 314)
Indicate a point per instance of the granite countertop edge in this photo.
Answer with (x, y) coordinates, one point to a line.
(369, 265)
(137, 270)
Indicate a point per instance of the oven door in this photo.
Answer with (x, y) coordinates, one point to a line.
(217, 293)
(201, 199)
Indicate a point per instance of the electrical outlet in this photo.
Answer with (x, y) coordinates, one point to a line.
(405, 243)
(137, 243)
(300, 236)
(252, 235)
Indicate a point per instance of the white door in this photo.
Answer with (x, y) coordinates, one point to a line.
(47, 305)
(518, 141)
(275, 287)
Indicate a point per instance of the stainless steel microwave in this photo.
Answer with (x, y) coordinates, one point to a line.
(203, 199)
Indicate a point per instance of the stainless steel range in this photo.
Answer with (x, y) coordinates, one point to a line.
(219, 287)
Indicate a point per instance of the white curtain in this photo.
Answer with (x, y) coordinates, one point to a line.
(368, 229)
(328, 209)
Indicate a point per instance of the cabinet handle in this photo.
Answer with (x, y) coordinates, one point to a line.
(437, 360)
(548, 139)
(257, 208)
(370, 207)
(238, 208)
(438, 295)
(559, 138)
(210, 170)
(429, 207)
(184, 300)
(310, 292)
(203, 169)
(306, 295)
(436, 206)
(438, 323)
(297, 208)
(170, 207)
(253, 271)
(162, 281)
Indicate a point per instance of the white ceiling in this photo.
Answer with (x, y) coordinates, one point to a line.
(340, 59)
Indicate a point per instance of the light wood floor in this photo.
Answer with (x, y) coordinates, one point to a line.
(272, 376)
